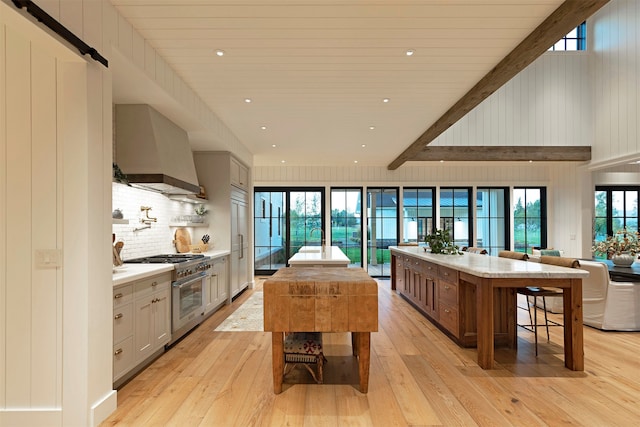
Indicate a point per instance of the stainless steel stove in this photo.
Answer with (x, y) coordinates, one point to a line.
(187, 289)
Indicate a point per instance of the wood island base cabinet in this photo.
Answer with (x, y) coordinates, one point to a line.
(448, 299)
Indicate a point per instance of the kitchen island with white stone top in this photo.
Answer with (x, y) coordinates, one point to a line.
(472, 297)
(315, 256)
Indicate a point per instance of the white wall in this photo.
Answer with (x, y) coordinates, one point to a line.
(157, 239)
(546, 104)
(56, 149)
(615, 64)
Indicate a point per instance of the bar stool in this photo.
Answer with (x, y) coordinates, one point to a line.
(543, 292)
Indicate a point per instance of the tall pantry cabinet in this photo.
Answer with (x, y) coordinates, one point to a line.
(226, 181)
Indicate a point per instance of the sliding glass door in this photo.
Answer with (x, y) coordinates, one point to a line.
(382, 229)
(346, 222)
(492, 219)
(270, 230)
(283, 221)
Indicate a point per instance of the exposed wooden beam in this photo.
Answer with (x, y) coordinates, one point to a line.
(567, 16)
(505, 153)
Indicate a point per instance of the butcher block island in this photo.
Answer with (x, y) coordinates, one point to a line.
(321, 299)
(472, 297)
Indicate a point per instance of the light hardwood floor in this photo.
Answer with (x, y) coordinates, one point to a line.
(418, 377)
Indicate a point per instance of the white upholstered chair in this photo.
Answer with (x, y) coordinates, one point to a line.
(609, 305)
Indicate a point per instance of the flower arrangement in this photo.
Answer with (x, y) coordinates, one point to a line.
(440, 243)
(622, 241)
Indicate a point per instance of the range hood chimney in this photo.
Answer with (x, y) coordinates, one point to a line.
(153, 151)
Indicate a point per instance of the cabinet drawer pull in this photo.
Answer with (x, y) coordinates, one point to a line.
(117, 296)
(446, 310)
(447, 287)
(446, 274)
(154, 284)
(117, 352)
(118, 316)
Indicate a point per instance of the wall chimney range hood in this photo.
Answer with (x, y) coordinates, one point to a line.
(153, 152)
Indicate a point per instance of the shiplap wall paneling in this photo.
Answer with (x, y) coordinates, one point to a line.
(543, 105)
(3, 220)
(615, 80)
(45, 306)
(18, 221)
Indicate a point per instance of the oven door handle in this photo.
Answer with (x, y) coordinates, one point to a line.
(188, 280)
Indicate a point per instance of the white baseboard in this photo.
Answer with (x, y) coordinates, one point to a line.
(104, 407)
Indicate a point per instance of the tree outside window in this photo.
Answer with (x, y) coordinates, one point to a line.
(529, 219)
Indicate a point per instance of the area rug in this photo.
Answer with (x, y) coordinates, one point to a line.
(248, 317)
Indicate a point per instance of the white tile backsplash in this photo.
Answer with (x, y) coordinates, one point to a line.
(158, 239)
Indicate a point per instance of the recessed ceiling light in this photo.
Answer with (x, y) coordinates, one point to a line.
(385, 100)
(247, 100)
(273, 145)
(363, 145)
(282, 161)
(220, 52)
(372, 127)
(263, 127)
(441, 161)
(355, 161)
(409, 52)
(530, 161)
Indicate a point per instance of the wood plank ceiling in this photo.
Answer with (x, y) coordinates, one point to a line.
(317, 73)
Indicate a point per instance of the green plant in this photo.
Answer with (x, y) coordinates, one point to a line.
(440, 243)
(200, 210)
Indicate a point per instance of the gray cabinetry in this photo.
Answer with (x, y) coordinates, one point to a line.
(217, 287)
(141, 323)
(227, 182)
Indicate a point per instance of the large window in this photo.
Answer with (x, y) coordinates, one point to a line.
(285, 219)
(455, 214)
(418, 213)
(346, 222)
(529, 218)
(269, 229)
(616, 208)
(575, 40)
(382, 232)
(492, 219)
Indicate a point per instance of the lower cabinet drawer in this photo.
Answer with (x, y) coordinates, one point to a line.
(448, 318)
(122, 357)
(448, 292)
(122, 322)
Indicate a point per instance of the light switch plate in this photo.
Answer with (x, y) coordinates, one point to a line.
(48, 258)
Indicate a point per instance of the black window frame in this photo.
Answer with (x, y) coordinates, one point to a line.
(543, 217)
(609, 209)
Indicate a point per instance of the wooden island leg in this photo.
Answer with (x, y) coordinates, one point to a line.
(277, 356)
(363, 340)
(484, 295)
(573, 330)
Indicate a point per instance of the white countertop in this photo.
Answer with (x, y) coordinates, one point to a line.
(492, 266)
(314, 255)
(129, 272)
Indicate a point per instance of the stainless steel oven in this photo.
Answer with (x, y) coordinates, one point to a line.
(187, 300)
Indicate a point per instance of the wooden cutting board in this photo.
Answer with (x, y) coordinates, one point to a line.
(182, 240)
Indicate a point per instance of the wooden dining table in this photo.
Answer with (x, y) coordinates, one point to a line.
(321, 299)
